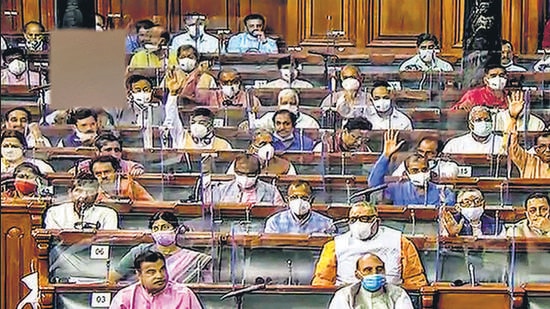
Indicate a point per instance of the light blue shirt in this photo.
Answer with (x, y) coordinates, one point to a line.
(206, 44)
(244, 43)
(286, 222)
(404, 193)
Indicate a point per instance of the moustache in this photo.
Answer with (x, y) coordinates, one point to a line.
(159, 281)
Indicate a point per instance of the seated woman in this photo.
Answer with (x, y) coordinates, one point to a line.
(13, 147)
(28, 182)
(183, 265)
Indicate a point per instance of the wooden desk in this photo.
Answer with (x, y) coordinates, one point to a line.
(493, 296)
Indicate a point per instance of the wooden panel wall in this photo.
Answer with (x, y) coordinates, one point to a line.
(368, 25)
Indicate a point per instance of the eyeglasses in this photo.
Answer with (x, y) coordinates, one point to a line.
(471, 203)
(295, 197)
(364, 219)
(251, 174)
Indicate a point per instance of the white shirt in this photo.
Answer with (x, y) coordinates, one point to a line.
(397, 119)
(357, 108)
(31, 141)
(416, 64)
(281, 83)
(502, 119)
(64, 217)
(515, 68)
(304, 121)
(207, 44)
(543, 65)
(467, 144)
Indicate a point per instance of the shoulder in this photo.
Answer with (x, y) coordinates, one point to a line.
(180, 289)
(209, 37)
(238, 36)
(320, 216)
(105, 210)
(395, 291)
(59, 208)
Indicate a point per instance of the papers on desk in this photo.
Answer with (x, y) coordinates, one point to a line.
(86, 280)
(421, 206)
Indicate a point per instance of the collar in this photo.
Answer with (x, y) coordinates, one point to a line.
(489, 138)
(298, 221)
(148, 295)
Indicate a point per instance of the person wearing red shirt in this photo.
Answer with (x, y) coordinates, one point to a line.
(491, 94)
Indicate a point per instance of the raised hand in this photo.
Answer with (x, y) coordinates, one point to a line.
(391, 145)
(515, 104)
(175, 79)
(449, 223)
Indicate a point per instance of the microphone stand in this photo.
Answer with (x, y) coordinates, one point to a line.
(366, 193)
(238, 294)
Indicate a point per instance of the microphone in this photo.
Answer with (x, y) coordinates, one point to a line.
(239, 293)
(318, 53)
(367, 192)
(471, 271)
(334, 224)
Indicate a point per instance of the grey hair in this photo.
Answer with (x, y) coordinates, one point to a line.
(461, 194)
(478, 108)
(287, 92)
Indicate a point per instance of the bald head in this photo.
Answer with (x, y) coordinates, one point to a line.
(229, 77)
(261, 137)
(369, 264)
(350, 71)
(288, 96)
(362, 209)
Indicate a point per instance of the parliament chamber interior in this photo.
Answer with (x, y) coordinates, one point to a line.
(374, 154)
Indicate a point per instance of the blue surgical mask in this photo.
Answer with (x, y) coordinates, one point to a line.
(373, 283)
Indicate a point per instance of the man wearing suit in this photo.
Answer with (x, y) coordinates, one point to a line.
(246, 187)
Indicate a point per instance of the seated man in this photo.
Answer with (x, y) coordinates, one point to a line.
(81, 212)
(507, 58)
(13, 148)
(491, 94)
(470, 219)
(430, 149)
(136, 41)
(372, 291)
(537, 223)
(262, 148)
(337, 263)
(530, 165)
(385, 114)
(426, 60)
(107, 144)
(352, 101)
(230, 94)
(481, 139)
(352, 138)
(289, 75)
(299, 218)
(35, 41)
(154, 54)
(287, 99)
(140, 94)
(112, 184)
(18, 119)
(418, 189)
(17, 72)
(247, 188)
(85, 128)
(201, 133)
(154, 281)
(529, 122)
(196, 36)
(286, 136)
(254, 39)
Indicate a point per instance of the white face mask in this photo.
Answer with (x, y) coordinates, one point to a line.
(287, 74)
(482, 128)
(299, 207)
(230, 90)
(198, 130)
(350, 84)
(382, 105)
(291, 108)
(17, 67)
(266, 152)
(85, 136)
(245, 182)
(472, 213)
(419, 179)
(150, 47)
(497, 83)
(362, 230)
(12, 154)
(427, 55)
(142, 97)
(187, 64)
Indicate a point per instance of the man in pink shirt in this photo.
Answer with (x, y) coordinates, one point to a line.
(491, 94)
(154, 290)
(17, 72)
